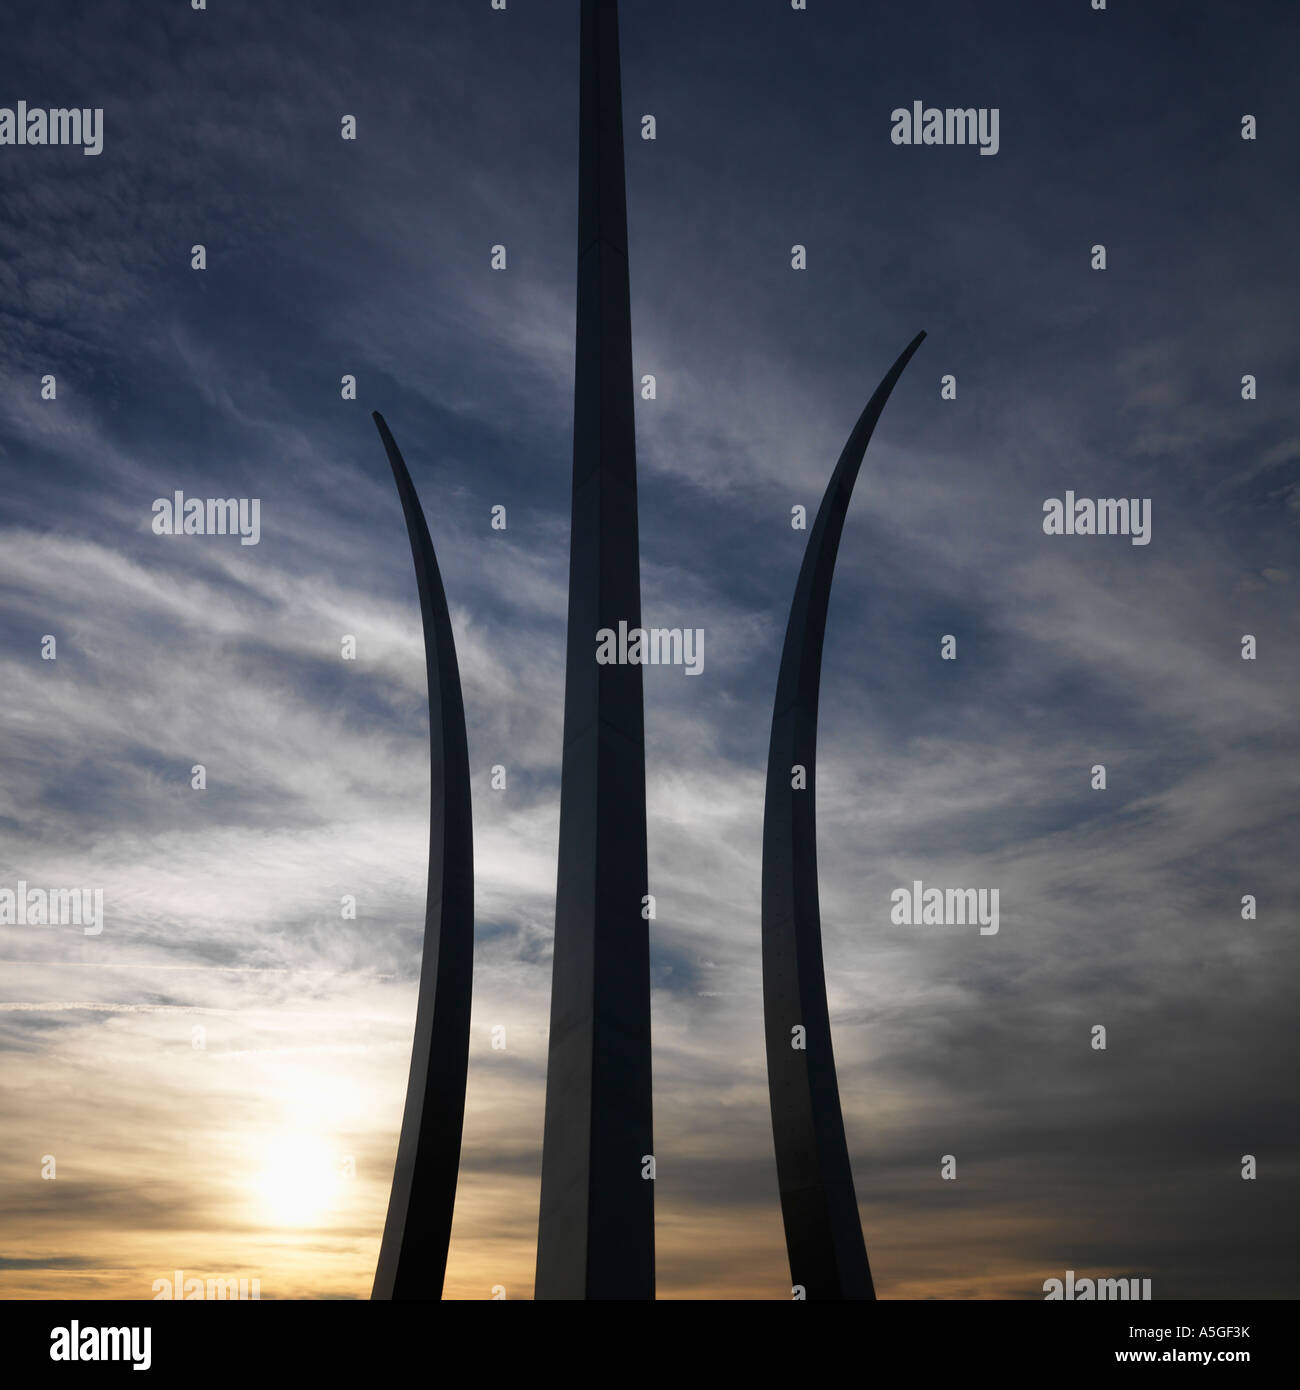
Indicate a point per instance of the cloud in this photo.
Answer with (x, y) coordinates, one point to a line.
(224, 906)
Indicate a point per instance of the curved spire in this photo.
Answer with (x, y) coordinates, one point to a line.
(823, 1233)
(413, 1255)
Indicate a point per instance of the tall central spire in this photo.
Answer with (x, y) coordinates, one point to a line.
(596, 1232)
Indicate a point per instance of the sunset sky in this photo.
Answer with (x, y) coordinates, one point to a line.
(263, 1145)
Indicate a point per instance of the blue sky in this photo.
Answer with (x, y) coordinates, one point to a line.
(371, 257)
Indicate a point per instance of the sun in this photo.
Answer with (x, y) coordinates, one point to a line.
(298, 1179)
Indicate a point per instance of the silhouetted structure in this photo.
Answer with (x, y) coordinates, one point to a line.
(596, 1229)
(413, 1255)
(823, 1233)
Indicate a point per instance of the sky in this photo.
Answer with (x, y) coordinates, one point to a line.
(218, 1075)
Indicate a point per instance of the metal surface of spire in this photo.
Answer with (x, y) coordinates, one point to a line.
(596, 1226)
(413, 1253)
(823, 1233)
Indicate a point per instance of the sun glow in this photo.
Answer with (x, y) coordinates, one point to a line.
(298, 1180)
